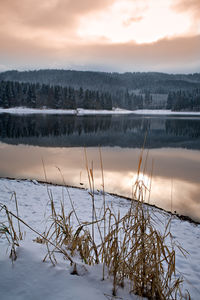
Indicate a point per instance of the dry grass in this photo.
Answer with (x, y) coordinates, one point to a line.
(9, 230)
(131, 250)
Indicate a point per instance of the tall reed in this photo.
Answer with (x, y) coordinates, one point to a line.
(132, 251)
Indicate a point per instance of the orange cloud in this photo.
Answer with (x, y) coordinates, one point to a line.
(48, 13)
(37, 33)
(188, 6)
(171, 55)
(167, 54)
(129, 21)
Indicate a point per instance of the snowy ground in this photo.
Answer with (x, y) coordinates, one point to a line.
(165, 112)
(30, 278)
(80, 111)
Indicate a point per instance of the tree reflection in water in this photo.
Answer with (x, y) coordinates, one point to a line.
(121, 130)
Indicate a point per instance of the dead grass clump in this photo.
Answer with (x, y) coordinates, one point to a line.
(10, 230)
(132, 250)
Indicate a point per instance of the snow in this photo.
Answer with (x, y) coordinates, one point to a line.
(30, 278)
(82, 112)
(79, 111)
(29, 111)
(165, 112)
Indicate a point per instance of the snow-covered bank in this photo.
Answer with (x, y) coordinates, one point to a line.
(82, 112)
(165, 112)
(32, 279)
(29, 111)
(79, 111)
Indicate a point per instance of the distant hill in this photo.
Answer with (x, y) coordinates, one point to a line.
(159, 83)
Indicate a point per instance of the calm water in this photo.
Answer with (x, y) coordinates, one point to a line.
(173, 143)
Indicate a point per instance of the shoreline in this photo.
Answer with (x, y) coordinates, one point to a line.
(82, 112)
(34, 181)
(34, 207)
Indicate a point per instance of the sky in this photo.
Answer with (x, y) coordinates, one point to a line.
(102, 35)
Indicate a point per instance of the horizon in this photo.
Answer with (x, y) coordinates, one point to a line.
(97, 71)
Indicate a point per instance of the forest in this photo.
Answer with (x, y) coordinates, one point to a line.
(65, 89)
(35, 95)
(184, 100)
(155, 82)
(14, 94)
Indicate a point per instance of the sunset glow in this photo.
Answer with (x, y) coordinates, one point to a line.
(110, 35)
(127, 21)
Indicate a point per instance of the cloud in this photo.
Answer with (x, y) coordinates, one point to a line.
(131, 20)
(171, 55)
(37, 33)
(190, 6)
(48, 13)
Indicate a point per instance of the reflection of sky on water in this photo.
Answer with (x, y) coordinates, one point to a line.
(176, 172)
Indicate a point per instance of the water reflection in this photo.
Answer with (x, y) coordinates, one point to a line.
(175, 175)
(90, 131)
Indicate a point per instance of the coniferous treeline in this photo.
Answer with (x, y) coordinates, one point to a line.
(14, 94)
(35, 95)
(184, 100)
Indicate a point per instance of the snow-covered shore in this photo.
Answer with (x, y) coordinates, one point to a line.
(81, 112)
(165, 112)
(30, 278)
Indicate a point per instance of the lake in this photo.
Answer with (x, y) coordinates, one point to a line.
(172, 145)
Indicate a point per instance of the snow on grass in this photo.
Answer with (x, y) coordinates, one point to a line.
(82, 112)
(30, 278)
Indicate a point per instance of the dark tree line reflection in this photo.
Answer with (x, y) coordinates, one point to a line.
(182, 127)
(123, 131)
